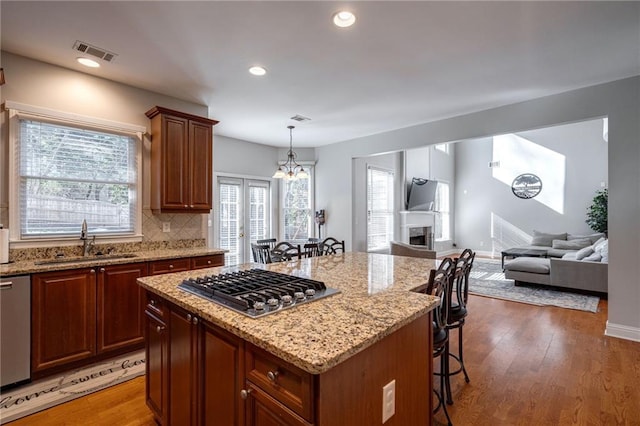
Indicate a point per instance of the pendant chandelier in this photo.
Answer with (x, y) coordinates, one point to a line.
(290, 169)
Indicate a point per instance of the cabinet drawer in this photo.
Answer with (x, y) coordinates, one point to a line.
(207, 261)
(155, 305)
(286, 383)
(170, 265)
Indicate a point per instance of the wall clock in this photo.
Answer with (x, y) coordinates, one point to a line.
(526, 186)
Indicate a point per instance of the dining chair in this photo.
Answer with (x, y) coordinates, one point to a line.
(284, 251)
(331, 245)
(312, 250)
(261, 253)
(271, 242)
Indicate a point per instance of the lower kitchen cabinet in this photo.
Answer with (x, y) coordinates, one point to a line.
(63, 318)
(120, 301)
(263, 410)
(157, 364)
(82, 314)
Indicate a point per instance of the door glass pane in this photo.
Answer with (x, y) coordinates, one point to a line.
(259, 225)
(229, 221)
(379, 208)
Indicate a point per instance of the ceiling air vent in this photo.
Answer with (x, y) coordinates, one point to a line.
(98, 52)
(300, 118)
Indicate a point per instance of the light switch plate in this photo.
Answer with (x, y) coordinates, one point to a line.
(388, 400)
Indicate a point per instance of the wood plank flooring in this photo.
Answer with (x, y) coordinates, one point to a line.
(528, 365)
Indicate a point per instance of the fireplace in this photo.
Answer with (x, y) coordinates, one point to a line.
(417, 228)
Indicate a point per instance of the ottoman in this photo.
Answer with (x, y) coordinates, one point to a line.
(528, 270)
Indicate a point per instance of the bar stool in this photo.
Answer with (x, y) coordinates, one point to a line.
(458, 312)
(439, 285)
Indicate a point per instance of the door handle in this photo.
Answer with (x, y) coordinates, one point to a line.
(6, 286)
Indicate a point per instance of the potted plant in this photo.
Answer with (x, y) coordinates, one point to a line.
(597, 211)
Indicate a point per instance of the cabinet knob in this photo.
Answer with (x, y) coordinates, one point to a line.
(153, 302)
(192, 206)
(195, 320)
(102, 269)
(93, 271)
(159, 328)
(244, 393)
(186, 206)
(188, 317)
(273, 376)
(170, 266)
(208, 262)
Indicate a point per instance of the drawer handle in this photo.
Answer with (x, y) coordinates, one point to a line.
(159, 328)
(244, 393)
(273, 376)
(6, 286)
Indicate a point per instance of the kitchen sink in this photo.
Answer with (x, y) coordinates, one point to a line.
(94, 258)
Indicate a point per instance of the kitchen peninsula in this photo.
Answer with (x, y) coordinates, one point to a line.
(322, 363)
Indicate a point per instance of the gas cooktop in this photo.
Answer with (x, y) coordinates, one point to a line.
(257, 292)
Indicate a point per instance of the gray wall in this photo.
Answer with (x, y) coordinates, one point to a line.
(489, 218)
(619, 100)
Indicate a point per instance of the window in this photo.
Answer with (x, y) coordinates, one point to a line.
(65, 173)
(443, 218)
(296, 207)
(379, 208)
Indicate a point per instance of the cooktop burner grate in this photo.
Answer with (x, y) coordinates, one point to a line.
(257, 292)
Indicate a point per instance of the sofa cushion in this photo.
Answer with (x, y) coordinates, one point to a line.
(570, 256)
(543, 239)
(595, 257)
(533, 265)
(592, 237)
(583, 252)
(551, 252)
(571, 244)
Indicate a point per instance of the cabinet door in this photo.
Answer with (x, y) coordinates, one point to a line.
(120, 306)
(183, 347)
(220, 373)
(200, 161)
(262, 410)
(63, 317)
(174, 163)
(156, 364)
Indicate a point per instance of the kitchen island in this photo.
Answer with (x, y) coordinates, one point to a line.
(321, 363)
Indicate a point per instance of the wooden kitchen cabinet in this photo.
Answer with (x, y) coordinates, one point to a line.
(63, 318)
(82, 314)
(263, 410)
(207, 261)
(157, 364)
(181, 161)
(120, 301)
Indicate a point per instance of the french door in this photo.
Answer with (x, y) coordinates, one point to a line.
(243, 216)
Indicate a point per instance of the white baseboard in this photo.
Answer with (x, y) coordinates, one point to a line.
(622, 332)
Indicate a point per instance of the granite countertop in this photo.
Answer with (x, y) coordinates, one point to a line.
(24, 267)
(377, 297)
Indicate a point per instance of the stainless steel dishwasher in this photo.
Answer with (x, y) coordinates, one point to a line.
(15, 330)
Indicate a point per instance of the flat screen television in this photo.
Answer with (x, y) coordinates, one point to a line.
(422, 195)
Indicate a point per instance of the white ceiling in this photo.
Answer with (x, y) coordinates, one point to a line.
(401, 64)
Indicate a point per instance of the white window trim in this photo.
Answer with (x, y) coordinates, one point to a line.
(311, 168)
(17, 111)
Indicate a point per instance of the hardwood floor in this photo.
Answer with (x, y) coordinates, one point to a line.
(528, 365)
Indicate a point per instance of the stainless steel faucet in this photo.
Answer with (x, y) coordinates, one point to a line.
(88, 243)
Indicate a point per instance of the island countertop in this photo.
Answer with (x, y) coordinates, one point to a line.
(378, 295)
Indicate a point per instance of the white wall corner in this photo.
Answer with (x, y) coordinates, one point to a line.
(622, 332)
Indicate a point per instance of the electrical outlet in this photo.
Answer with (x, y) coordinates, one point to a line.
(388, 400)
(166, 226)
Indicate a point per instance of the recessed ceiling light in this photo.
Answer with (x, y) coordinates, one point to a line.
(344, 19)
(88, 62)
(257, 70)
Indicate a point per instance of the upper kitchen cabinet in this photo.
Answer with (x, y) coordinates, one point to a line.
(181, 161)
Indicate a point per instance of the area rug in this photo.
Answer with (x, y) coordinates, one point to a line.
(487, 279)
(48, 392)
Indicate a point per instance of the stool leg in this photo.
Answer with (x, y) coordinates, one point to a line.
(446, 376)
(461, 352)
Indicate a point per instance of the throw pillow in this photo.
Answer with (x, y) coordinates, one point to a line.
(599, 244)
(584, 252)
(604, 252)
(542, 239)
(570, 245)
(595, 257)
(592, 237)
